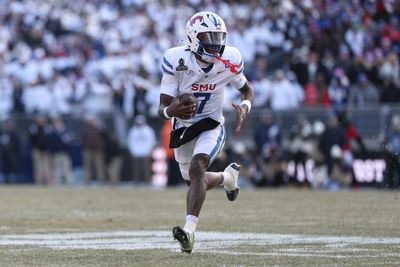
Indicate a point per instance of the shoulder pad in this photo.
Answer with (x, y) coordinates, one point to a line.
(174, 60)
(233, 55)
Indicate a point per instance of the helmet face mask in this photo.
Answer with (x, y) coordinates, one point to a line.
(205, 35)
(211, 42)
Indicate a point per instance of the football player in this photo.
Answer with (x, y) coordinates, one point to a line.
(203, 67)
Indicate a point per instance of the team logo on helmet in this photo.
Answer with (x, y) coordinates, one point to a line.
(194, 19)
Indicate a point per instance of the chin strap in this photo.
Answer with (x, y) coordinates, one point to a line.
(232, 67)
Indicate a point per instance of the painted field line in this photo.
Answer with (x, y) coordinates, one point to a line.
(263, 244)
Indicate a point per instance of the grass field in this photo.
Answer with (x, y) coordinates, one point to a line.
(42, 226)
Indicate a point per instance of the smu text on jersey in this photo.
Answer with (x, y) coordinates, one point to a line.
(203, 87)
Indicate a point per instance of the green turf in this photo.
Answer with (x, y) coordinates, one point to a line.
(285, 211)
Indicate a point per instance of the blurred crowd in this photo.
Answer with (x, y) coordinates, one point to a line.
(328, 153)
(48, 149)
(61, 57)
(316, 153)
(335, 54)
(93, 57)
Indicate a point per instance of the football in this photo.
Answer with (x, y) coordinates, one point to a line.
(188, 99)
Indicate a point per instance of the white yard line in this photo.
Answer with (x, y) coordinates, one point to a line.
(263, 244)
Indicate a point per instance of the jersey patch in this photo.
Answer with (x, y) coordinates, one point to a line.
(182, 66)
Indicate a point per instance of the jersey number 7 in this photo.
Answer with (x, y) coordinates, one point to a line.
(203, 97)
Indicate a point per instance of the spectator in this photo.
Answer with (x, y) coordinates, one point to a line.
(39, 137)
(392, 30)
(389, 72)
(314, 68)
(37, 97)
(18, 92)
(267, 139)
(267, 134)
(6, 97)
(344, 61)
(113, 157)
(61, 89)
(258, 71)
(317, 93)
(332, 136)
(300, 149)
(297, 87)
(141, 141)
(261, 86)
(269, 168)
(370, 66)
(339, 90)
(341, 175)
(392, 153)
(93, 149)
(283, 95)
(351, 134)
(363, 94)
(60, 140)
(98, 95)
(355, 38)
(10, 152)
(299, 66)
(142, 85)
(319, 171)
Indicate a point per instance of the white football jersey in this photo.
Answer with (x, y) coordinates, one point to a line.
(182, 74)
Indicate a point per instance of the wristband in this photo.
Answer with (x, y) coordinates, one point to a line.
(166, 114)
(246, 103)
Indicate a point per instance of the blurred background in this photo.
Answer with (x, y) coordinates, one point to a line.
(79, 92)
